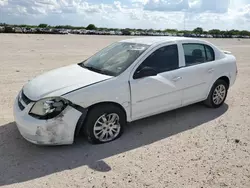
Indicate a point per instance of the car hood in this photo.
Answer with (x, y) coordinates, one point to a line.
(60, 81)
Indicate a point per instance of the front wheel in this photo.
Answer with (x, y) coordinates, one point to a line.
(104, 123)
(217, 95)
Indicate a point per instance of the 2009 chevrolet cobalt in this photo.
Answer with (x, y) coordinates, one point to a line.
(125, 81)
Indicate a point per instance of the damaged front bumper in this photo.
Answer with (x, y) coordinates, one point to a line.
(57, 131)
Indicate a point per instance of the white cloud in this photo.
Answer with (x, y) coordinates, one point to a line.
(166, 5)
(218, 6)
(194, 4)
(3, 2)
(118, 5)
(159, 14)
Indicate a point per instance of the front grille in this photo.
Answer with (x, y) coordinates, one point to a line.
(25, 99)
(20, 105)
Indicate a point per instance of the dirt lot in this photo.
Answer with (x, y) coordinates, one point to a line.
(190, 147)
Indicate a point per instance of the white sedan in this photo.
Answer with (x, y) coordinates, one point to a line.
(124, 82)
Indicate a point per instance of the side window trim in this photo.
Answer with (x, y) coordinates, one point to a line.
(205, 49)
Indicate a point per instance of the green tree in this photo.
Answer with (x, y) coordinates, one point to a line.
(64, 27)
(126, 31)
(100, 29)
(42, 25)
(186, 32)
(198, 30)
(214, 32)
(24, 25)
(114, 29)
(91, 27)
(235, 32)
(171, 30)
(244, 33)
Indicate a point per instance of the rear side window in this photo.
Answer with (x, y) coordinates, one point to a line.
(210, 53)
(163, 59)
(197, 54)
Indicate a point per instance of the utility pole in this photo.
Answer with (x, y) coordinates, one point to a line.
(184, 21)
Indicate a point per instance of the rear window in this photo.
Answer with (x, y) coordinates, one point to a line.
(197, 54)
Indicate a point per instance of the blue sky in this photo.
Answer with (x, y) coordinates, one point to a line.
(157, 14)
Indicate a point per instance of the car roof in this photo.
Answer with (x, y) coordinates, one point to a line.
(158, 40)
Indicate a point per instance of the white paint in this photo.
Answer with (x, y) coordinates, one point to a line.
(57, 131)
(140, 98)
(59, 81)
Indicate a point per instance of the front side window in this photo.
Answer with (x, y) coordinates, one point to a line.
(114, 59)
(163, 59)
(197, 53)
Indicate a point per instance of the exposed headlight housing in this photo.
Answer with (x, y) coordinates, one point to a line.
(48, 108)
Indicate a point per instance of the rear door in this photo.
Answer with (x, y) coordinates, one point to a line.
(198, 72)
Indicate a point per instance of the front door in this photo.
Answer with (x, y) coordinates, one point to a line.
(154, 94)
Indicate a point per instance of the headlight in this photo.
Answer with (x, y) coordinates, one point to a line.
(48, 108)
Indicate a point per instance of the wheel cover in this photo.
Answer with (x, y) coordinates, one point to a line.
(107, 127)
(219, 94)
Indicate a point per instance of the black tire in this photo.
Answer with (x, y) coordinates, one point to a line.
(97, 112)
(209, 101)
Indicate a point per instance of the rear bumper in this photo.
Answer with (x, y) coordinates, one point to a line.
(232, 78)
(57, 131)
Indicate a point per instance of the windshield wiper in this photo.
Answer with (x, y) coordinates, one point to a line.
(95, 69)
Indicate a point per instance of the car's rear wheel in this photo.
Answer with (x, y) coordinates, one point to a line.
(104, 123)
(217, 95)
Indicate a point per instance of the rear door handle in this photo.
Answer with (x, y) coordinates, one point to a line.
(210, 70)
(177, 78)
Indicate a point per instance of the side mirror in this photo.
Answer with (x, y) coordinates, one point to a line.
(145, 72)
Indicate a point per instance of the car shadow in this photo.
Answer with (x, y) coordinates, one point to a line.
(22, 161)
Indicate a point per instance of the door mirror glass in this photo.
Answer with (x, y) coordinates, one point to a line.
(145, 72)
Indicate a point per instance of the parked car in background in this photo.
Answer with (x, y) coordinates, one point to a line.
(118, 32)
(2, 29)
(18, 30)
(112, 32)
(124, 82)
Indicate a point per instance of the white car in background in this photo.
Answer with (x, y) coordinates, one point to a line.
(124, 82)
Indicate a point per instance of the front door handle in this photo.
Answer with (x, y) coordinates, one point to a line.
(177, 78)
(210, 70)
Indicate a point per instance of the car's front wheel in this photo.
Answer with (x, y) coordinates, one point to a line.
(217, 95)
(104, 123)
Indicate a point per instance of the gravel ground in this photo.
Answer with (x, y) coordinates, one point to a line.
(189, 147)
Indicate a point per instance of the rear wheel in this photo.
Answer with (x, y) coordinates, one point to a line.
(217, 95)
(104, 123)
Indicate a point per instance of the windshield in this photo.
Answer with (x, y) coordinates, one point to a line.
(114, 59)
